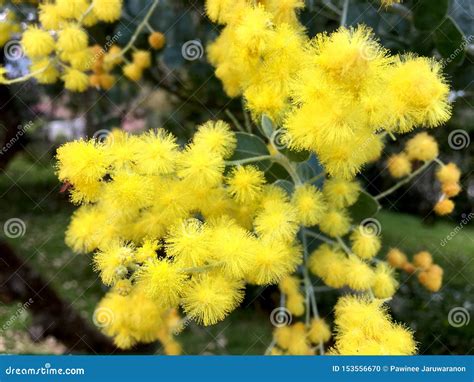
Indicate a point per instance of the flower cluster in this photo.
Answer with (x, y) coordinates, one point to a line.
(175, 224)
(58, 46)
(424, 148)
(430, 275)
(128, 315)
(297, 339)
(364, 328)
(187, 227)
(336, 94)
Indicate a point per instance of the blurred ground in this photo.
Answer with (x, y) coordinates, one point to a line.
(31, 193)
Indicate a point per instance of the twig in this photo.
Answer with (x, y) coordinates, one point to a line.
(403, 181)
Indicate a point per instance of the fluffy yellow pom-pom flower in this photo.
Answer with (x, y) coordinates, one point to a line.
(364, 328)
(157, 153)
(245, 183)
(448, 173)
(157, 40)
(319, 331)
(72, 38)
(277, 220)
(365, 243)
(396, 258)
(142, 58)
(360, 275)
(422, 147)
(163, 281)
(133, 72)
(81, 160)
(273, 260)
(70, 9)
(46, 71)
(200, 166)
(81, 234)
(384, 285)
(233, 247)
(341, 193)
(37, 42)
(49, 16)
(309, 203)
(188, 243)
(75, 80)
(423, 260)
(399, 165)
(107, 10)
(112, 262)
(329, 264)
(217, 136)
(211, 297)
(444, 207)
(335, 223)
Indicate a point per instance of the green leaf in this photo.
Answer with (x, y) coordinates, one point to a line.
(428, 14)
(286, 185)
(450, 42)
(310, 169)
(267, 126)
(251, 146)
(365, 207)
(276, 172)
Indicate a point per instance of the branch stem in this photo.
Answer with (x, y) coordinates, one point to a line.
(394, 188)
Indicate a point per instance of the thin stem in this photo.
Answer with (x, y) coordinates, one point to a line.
(249, 160)
(332, 7)
(315, 178)
(288, 166)
(319, 237)
(202, 269)
(234, 120)
(344, 245)
(139, 29)
(403, 181)
(248, 124)
(23, 78)
(84, 15)
(439, 161)
(345, 9)
(311, 303)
